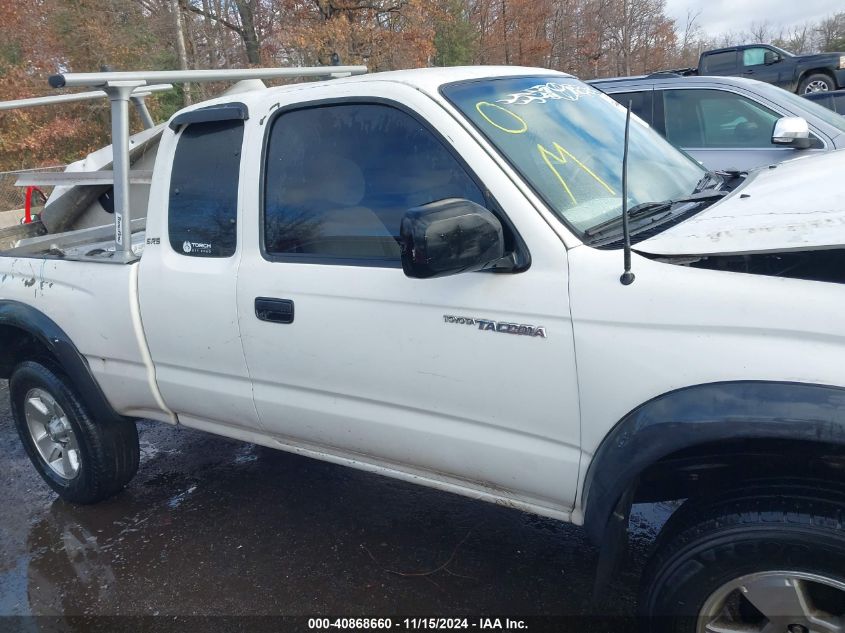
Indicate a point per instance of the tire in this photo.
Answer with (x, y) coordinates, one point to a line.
(818, 82)
(756, 549)
(89, 460)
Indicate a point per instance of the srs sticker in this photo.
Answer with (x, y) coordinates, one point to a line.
(498, 326)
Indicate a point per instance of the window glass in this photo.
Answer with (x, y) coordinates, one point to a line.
(754, 56)
(714, 118)
(340, 178)
(203, 207)
(719, 62)
(567, 140)
(640, 103)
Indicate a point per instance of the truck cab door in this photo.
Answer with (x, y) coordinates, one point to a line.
(188, 272)
(353, 360)
(763, 64)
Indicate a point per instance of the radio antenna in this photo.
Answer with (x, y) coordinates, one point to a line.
(627, 277)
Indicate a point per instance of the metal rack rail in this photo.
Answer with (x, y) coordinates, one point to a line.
(123, 87)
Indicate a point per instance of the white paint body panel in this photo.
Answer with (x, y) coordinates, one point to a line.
(796, 205)
(190, 316)
(371, 376)
(370, 366)
(93, 304)
(677, 326)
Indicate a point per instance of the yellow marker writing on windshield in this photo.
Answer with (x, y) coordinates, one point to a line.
(519, 124)
(559, 157)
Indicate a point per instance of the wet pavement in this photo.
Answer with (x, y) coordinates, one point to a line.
(212, 526)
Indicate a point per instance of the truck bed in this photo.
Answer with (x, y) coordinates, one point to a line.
(97, 307)
(92, 244)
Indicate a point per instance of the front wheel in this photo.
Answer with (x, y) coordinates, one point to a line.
(816, 83)
(82, 459)
(767, 559)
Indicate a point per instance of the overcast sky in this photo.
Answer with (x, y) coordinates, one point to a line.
(719, 16)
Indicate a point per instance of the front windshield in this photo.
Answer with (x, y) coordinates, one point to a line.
(566, 139)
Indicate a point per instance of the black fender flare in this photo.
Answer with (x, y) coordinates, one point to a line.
(43, 329)
(701, 414)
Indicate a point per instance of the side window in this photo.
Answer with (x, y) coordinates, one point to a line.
(719, 62)
(641, 103)
(754, 56)
(714, 118)
(339, 179)
(203, 208)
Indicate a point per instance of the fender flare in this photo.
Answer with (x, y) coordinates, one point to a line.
(38, 325)
(701, 414)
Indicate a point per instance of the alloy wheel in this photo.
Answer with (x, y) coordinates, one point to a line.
(776, 602)
(52, 433)
(815, 86)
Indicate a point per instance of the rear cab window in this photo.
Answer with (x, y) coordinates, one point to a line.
(203, 201)
(718, 63)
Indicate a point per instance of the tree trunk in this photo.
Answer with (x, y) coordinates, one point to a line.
(181, 52)
(505, 33)
(246, 10)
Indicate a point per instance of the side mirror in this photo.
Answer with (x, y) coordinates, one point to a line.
(792, 131)
(448, 237)
(770, 57)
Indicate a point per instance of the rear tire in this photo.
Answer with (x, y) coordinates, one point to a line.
(818, 82)
(83, 460)
(766, 554)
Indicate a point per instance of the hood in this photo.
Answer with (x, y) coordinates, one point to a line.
(798, 205)
(820, 57)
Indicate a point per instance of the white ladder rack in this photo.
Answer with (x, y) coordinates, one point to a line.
(123, 87)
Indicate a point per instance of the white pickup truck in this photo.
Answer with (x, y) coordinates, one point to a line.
(417, 273)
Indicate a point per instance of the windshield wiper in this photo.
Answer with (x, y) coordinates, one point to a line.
(713, 177)
(646, 209)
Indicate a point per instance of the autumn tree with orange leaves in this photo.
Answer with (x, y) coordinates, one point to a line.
(588, 38)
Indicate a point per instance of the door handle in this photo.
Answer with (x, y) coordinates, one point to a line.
(274, 310)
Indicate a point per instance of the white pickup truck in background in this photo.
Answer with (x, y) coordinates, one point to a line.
(417, 273)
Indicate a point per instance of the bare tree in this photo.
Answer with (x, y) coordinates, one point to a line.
(181, 52)
(761, 32)
(831, 32)
(242, 21)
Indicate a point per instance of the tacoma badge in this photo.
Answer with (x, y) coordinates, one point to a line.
(498, 326)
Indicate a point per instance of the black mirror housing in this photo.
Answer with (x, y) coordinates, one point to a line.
(448, 237)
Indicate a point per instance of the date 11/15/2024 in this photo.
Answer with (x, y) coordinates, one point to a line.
(431, 624)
